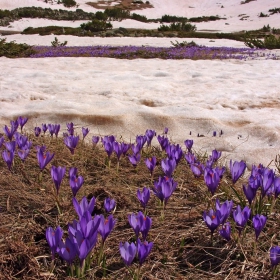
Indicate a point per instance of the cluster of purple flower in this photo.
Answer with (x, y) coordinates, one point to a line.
(130, 52)
(82, 234)
(20, 142)
(215, 218)
(140, 224)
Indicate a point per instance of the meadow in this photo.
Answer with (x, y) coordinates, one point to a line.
(185, 215)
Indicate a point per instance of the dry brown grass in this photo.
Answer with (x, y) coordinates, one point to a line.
(182, 247)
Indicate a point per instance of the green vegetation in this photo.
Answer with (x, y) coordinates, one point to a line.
(183, 44)
(13, 49)
(169, 19)
(270, 42)
(57, 43)
(274, 11)
(69, 3)
(96, 25)
(263, 15)
(180, 26)
(117, 14)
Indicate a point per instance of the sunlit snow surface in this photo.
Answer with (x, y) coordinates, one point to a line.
(126, 97)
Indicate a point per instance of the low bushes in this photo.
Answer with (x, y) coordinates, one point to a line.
(187, 27)
(13, 49)
(270, 42)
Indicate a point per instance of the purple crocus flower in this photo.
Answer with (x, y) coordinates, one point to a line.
(190, 158)
(21, 140)
(220, 171)
(212, 219)
(22, 121)
(165, 131)
(168, 166)
(95, 140)
(224, 209)
(174, 152)
(53, 238)
(44, 127)
(71, 142)
(37, 131)
(54, 129)
(276, 186)
(106, 226)
(163, 141)
(9, 132)
(196, 169)
(237, 169)
(109, 204)
(68, 250)
(108, 146)
(151, 163)
(8, 158)
(211, 179)
(143, 250)
(268, 179)
(136, 221)
(83, 206)
(275, 255)
(10, 146)
(43, 158)
(241, 217)
(85, 132)
(214, 133)
(117, 147)
(189, 144)
(146, 225)
(259, 222)
(150, 135)
(249, 192)
(143, 196)
(75, 183)
(70, 128)
(164, 188)
(134, 159)
(215, 155)
(128, 252)
(57, 174)
(136, 148)
(84, 234)
(125, 148)
(225, 231)
(141, 140)
(23, 154)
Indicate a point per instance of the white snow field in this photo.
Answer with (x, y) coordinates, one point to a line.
(126, 97)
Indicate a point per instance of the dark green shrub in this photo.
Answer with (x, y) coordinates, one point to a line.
(187, 27)
(270, 42)
(117, 14)
(96, 25)
(168, 18)
(274, 11)
(202, 19)
(13, 49)
(263, 15)
(4, 13)
(69, 3)
(266, 28)
(57, 43)
(101, 16)
(184, 44)
(139, 17)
